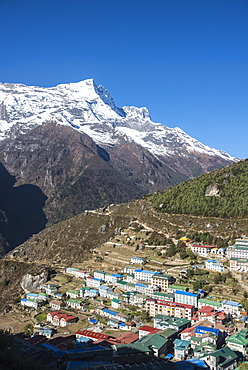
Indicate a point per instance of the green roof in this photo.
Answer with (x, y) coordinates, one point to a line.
(168, 332)
(171, 320)
(85, 288)
(225, 355)
(72, 291)
(154, 340)
(178, 287)
(100, 272)
(115, 300)
(164, 277)
(74, 300)
(240, 338)
(181, 344)
(209, 302)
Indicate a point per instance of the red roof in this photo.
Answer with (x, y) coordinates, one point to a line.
(92, 334)
(206, 309)
(62, 315)
(149, 329)
(171, 304)
(127, 338)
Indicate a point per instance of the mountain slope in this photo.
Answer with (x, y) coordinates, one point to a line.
(68, 167)
(81, 152)
(222, 193)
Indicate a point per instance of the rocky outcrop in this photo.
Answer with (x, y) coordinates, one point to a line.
(30, 283)
(212, 190)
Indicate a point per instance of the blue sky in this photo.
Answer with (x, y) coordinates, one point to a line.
(186, 60)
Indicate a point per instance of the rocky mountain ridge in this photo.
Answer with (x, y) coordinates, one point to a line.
(81, 152)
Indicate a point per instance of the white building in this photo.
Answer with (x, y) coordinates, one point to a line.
(202, 250)
(144, 275)
(214, 265)
(234, 308)
(93, 282)
(137, 260)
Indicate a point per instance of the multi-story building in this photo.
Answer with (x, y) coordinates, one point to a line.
(214, 265)
(93, 282)
(61, 319)
(239, 264)
(202, 250)
(239, 342)
(186, 297)
(155, 307)
(145, 275)
(99, 274)
(163, 322)
(239, 249)
(233, 308)
(162, 281)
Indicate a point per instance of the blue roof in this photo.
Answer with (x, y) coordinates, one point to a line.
(211, 261)
(148, 272)
(94, 321)
(109, 311)
(169, 355)
(185, 293)
(117, 275)
(97, 279)
(23, 299)
(231, 303)
(93, 290)
(142, 285)
(199, 329)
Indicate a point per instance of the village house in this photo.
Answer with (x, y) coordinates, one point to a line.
(50, 289)
(162, 281)
(207, 302)
(95, 337)
(93, 282)
(181, 296)
(224, 359)
(105, 312)
(210, 314)
(115, 303)
(163, 296)
(147, 330)
(156, 342)
(73, 294)
(231, 307)
(75, 303)
(55, 305)
(202, 250)
(99, 274)
(144, 275)
(163, 322)
(239, 264)
(81, 274)
(239, 341)
(113, 278)
(214, 265)
(103, 290)
(137, 260)
(71, 270)
(129, 270)
(31, 303)
(167, 308)
(60, 319)
(181, 349)
(239, 249)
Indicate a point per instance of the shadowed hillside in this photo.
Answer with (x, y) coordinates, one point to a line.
(21, 213)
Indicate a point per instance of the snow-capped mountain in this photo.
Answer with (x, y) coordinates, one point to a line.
(91, 109)
(68, 148)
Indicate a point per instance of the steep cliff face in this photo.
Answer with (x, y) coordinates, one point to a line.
(68, 167)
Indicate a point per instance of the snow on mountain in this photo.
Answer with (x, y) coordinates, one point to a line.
(91, 109)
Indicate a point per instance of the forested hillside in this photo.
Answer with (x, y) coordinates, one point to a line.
(222, 193)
